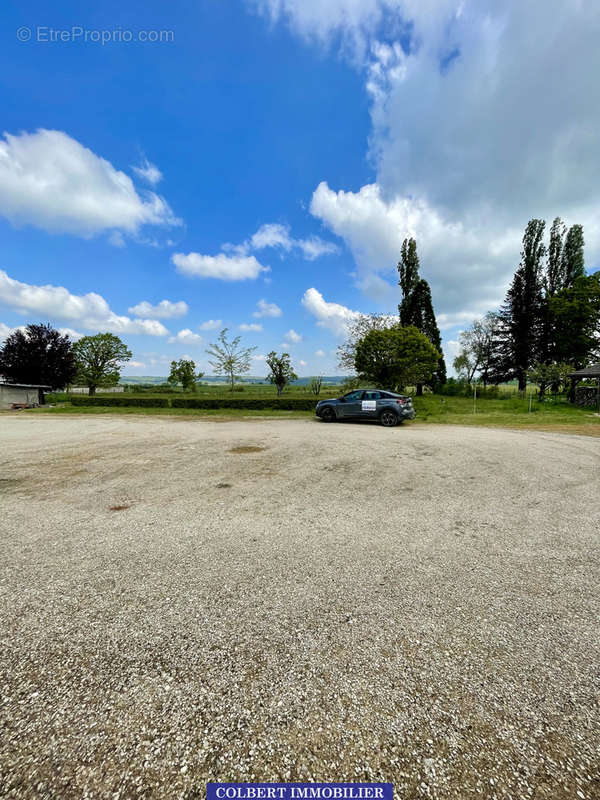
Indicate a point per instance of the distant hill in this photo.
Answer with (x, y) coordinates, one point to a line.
(157, 379)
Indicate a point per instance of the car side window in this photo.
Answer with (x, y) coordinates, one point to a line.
(372, 396)
(353, 396)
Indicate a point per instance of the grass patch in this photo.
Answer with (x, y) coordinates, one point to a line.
(215, 413)
(511, 412)
(508, 413)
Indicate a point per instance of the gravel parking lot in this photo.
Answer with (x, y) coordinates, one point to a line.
(184, 600)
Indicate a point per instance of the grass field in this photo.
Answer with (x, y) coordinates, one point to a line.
(511, 412)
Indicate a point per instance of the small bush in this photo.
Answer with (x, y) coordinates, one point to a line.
(56, 397)
(455, 388)
(149, 388)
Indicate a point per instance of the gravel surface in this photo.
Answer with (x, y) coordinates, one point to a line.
(184, 600)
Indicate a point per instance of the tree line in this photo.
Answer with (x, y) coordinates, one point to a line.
(547, 327)
(41, 355)
(549, 323)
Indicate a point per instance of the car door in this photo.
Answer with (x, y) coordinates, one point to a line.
(369, 405)
(351, 407)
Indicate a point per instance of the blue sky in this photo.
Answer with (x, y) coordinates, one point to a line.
(261, 167)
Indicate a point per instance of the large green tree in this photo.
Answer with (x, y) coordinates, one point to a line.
(521, 316)
(576, 314)
(356, 329)
(416, 307)
(184, 372)
(229, 357)
(39, 354)
(99, 360)
(281, 372)
(476, 352)
(564, 266)
(396, 357)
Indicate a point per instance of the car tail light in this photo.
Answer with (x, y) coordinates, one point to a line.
(402, 402)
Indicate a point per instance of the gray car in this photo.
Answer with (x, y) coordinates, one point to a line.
(388, 408)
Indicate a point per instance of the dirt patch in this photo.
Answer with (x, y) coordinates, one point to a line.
(384, 618)
(223, 486)
(247, 448)
(118, 508)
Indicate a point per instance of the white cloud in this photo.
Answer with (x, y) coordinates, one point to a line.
(271, 235)
(477, 126)
(261, 358)
(148, 172)
(136, 364)
(51, 181)
(91, 310)
(302, 363)
(292, 336)
(467, 267)
(163, 310)
(315, 247)
(221, 266)
(211, 325)
(251, 326)
(187, 337)
(267, 310)
(320, 353)
(275, 235)
(354, 20)
(333, 316)
(71, 333)
(5, 331)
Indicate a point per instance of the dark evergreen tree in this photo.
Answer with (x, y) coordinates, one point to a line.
(416, 307)
(38, 355)
(521, 316)
(428, 325)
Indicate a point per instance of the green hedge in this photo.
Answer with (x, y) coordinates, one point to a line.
(256, 403)
(275, 403)
(99, 400)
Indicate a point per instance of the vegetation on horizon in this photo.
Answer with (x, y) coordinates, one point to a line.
(548, 326)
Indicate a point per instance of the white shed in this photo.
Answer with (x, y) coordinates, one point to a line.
(21, 394)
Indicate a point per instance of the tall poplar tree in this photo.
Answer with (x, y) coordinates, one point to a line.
(572, 261)
(554, 271)
(416, 307)
(521, 316)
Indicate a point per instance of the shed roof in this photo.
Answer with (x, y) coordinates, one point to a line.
(25, 385)
(593, 371)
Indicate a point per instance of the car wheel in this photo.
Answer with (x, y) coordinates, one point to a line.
(328, 414)
(388, 419)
